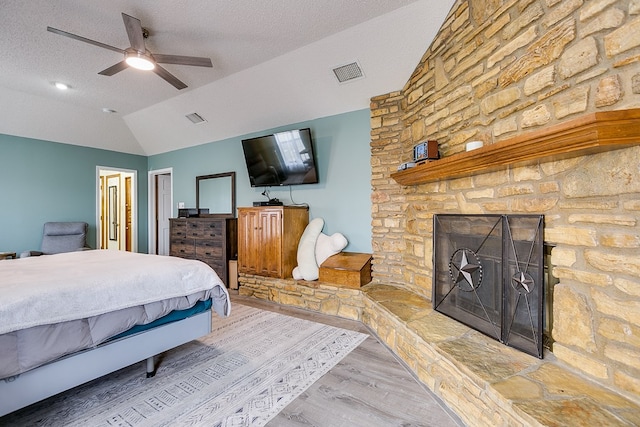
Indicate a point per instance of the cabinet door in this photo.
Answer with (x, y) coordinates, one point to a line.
(270, 260)
(248, 241)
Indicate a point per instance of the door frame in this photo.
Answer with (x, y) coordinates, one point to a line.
(152, 204)
(100, 170)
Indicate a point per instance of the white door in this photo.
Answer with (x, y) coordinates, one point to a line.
(164, 212)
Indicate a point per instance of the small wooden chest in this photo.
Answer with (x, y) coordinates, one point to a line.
(348, 269)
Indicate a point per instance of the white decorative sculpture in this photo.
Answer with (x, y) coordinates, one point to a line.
(314, 248)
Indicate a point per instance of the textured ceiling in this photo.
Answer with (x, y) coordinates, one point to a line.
(272, 64)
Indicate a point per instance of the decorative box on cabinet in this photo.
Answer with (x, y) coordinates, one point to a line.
(268, 238)
(347, 269)
(213, 241)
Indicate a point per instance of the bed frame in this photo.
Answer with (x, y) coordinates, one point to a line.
(78, 368)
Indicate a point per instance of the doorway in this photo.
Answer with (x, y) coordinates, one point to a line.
(116, 211)
(160, 210)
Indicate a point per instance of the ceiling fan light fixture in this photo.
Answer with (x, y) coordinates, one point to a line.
(137, 56)
(139, 60)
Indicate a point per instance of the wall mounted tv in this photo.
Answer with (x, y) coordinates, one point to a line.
(283, 158)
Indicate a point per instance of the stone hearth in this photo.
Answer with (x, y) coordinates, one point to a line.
(483, 381)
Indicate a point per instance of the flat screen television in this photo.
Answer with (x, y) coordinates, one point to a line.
(283, 158)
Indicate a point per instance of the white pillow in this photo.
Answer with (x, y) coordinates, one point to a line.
(307, 268)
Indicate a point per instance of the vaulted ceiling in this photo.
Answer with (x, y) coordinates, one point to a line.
(273, 64)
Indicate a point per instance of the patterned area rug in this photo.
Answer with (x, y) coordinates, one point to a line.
(247, 370)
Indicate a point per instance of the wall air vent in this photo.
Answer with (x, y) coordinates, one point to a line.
(195, 118)
(348, 72)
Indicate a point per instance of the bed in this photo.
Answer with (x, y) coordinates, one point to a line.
(69, 318)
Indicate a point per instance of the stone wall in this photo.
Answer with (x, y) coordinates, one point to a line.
(313, 296)
(495, 70)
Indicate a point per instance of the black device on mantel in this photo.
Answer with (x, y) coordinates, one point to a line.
(272, 202)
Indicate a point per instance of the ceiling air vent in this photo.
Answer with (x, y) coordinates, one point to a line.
(195, 118)
(348, 72)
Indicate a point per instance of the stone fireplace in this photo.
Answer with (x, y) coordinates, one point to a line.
(511, 73)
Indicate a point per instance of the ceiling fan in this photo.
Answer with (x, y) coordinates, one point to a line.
(138, 56)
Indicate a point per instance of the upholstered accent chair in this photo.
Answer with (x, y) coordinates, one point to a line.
(58, 237)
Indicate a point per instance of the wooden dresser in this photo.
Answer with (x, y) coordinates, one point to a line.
(211, 240)
(268, 239)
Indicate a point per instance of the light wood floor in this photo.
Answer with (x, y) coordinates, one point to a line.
(370, 387)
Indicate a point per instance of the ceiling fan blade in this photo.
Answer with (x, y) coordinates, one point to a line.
(173, 80)
(114, 69)
(84, 39)
(182, 60)
(134, 31)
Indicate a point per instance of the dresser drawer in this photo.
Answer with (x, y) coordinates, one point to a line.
(178, 235)
(211, 229)
(183, 248)
(209, 248)
(193, 229)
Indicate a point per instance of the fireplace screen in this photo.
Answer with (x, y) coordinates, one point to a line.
(488, 274)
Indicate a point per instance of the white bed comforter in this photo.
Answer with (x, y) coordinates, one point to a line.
(56, 288)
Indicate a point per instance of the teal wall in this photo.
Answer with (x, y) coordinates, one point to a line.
(44, 181)
(342, 198)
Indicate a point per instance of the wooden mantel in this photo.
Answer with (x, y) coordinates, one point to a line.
(592, 133)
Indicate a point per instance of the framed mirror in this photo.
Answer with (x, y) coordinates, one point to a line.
(217, 193)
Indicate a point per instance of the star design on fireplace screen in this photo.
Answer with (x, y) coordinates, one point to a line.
(523, 282)
(466, 268)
